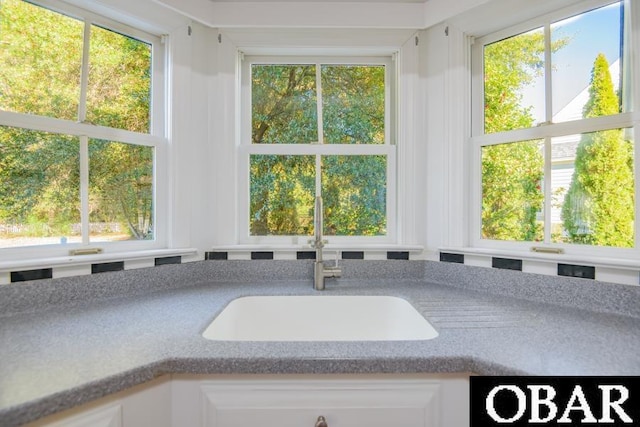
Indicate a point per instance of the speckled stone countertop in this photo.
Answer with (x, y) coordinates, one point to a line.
(91, 341)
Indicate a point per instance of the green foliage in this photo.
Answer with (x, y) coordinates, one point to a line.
(603, 100)
(354, 194)
(284, 107)
(284, 110)
(39, 177)
(511, 197)
(510, 65)
(599, 205)
(282, 195)
(512, 173)
(40, 60)
(121, 183)
(353, 104)
(119, 89)
(40, 72)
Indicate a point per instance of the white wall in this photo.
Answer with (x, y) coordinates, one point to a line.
(432, 129)
(223, 192)
(193, 59)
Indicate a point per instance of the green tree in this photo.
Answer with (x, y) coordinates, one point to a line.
(281, 195)
(599, 205)
(509, 66)
(511, 191)
(40, 72)
(284, 110)
(121, 186)
(512, 173)
(284, 107)
(353, 104)
(354, 192)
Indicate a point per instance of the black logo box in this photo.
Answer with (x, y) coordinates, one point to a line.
(514, 408)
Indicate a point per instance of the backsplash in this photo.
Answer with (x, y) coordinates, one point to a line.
(602, 274)
(34, 295)
(591, 272)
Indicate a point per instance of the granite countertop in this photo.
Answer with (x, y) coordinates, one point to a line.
(56, 358)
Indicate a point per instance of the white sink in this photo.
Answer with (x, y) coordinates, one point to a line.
(319, 318)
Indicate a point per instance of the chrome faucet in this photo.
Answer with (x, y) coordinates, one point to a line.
(320, 271)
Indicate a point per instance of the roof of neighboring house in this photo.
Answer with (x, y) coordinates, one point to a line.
(563, 148)
(573, 109)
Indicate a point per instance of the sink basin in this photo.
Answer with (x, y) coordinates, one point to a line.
(319, 318)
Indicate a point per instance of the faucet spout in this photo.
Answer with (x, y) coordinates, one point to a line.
(320, 271)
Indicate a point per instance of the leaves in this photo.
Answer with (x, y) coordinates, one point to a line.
(283, 101)
(511, 191)
(40, 72)
(284, 110)
(599, 205)
(512, 173)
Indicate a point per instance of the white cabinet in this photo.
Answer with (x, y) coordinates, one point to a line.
(140, 406)
(344, 401)
(279, 401)
(109, 415)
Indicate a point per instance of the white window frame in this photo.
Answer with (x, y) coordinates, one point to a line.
(156, 138)
(549, 130)
(246, 148)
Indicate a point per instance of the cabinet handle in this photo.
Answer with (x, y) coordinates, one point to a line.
(321, 422)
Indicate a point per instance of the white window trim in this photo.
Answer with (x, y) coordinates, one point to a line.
(246, 148)
(575, 252)
(84, 131)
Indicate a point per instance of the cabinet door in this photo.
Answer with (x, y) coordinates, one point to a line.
(140, 406)
(104, 416)
(343, 403)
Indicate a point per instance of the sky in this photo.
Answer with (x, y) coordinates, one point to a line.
(589, 34)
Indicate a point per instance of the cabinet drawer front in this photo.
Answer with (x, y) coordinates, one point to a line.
(343, 403)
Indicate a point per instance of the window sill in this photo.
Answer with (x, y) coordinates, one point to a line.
(328, 246)
(71, 261)
(331, 251)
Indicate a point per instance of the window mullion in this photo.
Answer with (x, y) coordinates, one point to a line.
(84, 139)
(318, 175)
(548, 96)
(84, 75)
(546, 206)
(548, 83)
(84, 188)
(319, 103)
(320, 128)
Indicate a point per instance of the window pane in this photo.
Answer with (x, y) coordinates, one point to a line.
(119, 91)
(39, 188)
(282, 192)
(353, 100)
(354, 192)
(120, 191)
(283, 104)
(39, 73)
(512, 195)
(514, 82)
(593, 188)
(587, 70)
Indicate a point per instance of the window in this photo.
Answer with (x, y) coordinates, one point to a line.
(318, 126)
(79, 133)
(553, 133)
